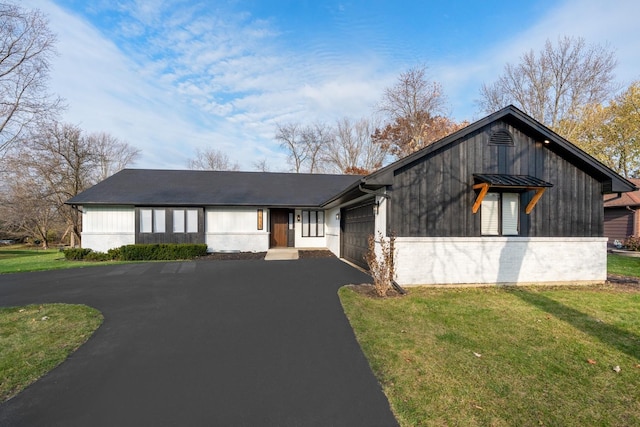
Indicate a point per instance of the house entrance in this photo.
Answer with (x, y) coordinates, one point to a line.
(282, 228)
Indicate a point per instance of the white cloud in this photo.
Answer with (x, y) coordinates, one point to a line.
(612, 22)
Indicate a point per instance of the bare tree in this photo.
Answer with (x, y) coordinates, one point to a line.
(112, 155)
(290, 137)
(555, 84)
(26, 47)
(212, 160)
(58, 162)
(304, 145)
(261, 165)
(316, 137)
(414, 109)
(28, 208)
(351, 150)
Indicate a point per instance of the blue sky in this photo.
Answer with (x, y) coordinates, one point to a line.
(172, 76)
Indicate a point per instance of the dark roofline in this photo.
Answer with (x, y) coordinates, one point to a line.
(619, 184)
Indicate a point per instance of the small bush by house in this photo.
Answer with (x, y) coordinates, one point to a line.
(162, 251)
(149, 252)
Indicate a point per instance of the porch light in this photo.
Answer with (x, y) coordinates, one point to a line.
(338, 216)
(298, 218)
(376, 208)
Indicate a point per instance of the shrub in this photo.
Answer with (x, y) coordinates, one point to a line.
(97, 256)
(162, 251)
(76, 254)
(632, 243)
(114, 254)
(381, 266)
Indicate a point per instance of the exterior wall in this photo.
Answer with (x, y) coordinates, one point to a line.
(107, 227)
(168, 235)
(619, 223)
(236, 229)
(499, 260)
(434, 195)
(332, 230)
(310, 242)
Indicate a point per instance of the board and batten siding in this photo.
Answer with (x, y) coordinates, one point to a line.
(107, 227)
(433, 196)
(236, 229)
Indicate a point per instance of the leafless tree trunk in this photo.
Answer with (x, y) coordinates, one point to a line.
(26, 47)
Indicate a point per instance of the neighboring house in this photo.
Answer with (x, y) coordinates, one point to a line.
(621, 214)
(504, 200)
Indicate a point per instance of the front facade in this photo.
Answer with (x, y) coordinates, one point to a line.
(504, 200)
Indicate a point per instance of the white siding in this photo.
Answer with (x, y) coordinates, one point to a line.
(332, 230)
(235, 229)
(500, 260)
(107, 219)
(107, 227)
(309, 242)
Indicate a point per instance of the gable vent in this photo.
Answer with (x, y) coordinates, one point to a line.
(501, 137)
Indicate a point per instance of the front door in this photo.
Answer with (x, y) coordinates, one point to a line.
(279, 228)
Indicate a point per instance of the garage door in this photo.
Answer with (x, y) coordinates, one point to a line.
(358, 223)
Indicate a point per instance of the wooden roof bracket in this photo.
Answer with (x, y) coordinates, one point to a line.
(484, 188)
(534, 200)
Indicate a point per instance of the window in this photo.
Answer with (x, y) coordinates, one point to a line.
(158, 221)
(500, 214)
(152, 220)
(312, 223)
(145, 220)
(185, 220)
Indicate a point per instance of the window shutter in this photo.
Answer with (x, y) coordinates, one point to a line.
(489, 214)
(510, 211)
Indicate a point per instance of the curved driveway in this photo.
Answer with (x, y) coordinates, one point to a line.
(205, 343)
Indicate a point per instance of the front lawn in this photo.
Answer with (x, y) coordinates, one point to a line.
(20, 259)
(504, 356)
(623, 265)
(36, 338)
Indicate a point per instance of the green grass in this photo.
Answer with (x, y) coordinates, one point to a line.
(37, 338)
(14, 260)
(535, 346)
(623, 265)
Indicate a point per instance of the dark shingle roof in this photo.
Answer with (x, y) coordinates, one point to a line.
(147, 187)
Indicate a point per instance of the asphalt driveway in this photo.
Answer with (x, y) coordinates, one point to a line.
(205, 343)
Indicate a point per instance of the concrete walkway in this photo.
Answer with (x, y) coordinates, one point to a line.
(205, 343)
(281, 254)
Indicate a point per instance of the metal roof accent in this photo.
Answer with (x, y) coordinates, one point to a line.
(511, 181)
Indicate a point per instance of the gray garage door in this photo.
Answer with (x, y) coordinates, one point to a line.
(357, 224)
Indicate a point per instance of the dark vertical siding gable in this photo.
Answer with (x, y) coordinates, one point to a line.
(439, 186)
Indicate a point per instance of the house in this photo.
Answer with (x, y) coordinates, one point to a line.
(504, 200)
(621, 212)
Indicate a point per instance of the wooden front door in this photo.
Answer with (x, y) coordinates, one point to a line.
(279, 228)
